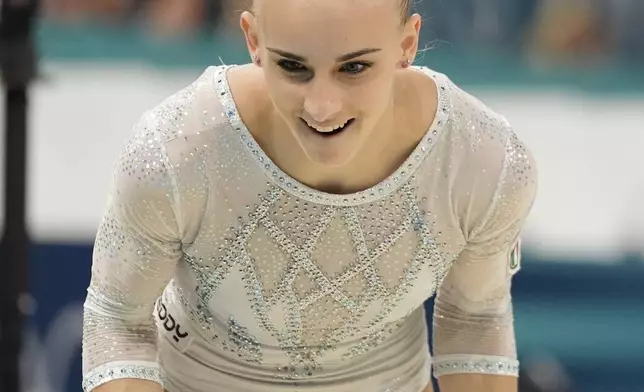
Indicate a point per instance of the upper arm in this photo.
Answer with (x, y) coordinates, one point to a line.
(138, 241)
(492, 250)
(136, 251)
(473, 318)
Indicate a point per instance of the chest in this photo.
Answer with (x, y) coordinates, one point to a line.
(333, 266)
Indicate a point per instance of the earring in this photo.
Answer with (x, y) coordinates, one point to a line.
(257, 60)
(406, 63)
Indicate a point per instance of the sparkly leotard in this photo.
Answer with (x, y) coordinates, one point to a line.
(214, 270)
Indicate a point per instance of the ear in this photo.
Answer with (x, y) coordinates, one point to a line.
(248, 24)
(411, 37)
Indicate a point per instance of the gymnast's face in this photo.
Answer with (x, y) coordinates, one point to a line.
(330, 67)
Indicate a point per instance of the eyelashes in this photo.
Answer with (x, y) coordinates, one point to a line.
(355, 68)
(295, 68)
(291, 66)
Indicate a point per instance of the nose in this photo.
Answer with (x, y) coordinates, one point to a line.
(323, 101)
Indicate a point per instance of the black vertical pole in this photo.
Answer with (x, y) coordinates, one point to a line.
(17, 66)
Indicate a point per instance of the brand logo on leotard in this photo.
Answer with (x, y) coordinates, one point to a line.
(515, 257)
(169, 323)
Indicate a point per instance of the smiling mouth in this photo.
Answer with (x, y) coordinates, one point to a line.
(331, 131)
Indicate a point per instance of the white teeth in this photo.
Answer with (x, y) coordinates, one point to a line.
(326, 129)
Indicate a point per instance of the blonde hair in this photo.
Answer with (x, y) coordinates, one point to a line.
(405, 9)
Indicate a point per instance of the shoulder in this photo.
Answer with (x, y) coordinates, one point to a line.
(480, 127)
(485, 138)
(465, 121)
(201, 111)
(184, 127)
(169, 138)
(190, 110)
(172, 143)
(490, 166)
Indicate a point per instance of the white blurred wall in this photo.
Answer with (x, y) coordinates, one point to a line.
(588, 147)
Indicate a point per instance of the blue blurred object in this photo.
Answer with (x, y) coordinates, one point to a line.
(466, 23)
(574, 318)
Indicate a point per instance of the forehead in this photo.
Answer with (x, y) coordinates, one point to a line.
(340, 26)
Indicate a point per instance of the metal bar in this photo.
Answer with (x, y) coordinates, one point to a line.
(14, 245)
(17, 67)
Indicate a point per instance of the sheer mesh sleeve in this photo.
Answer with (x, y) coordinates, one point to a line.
(136, 250)
(473, 320)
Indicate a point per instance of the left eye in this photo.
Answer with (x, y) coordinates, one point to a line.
(354, 68)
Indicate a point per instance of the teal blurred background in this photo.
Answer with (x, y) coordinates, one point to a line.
(569, 74)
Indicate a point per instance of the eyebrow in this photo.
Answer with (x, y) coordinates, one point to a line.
(344, 57)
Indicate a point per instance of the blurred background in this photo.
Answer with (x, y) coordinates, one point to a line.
(569, 75)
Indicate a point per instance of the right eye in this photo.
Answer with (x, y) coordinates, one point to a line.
(291, 67)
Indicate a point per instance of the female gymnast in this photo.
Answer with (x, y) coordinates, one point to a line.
(277, 226)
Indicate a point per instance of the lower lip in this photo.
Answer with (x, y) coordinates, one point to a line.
(328, 135)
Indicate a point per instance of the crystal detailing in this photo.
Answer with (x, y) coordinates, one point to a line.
(294, 187)
(241, 342)
(455, 364)
(373, 340)
(208, 280)
(426, 252)
(440, 262)
(328, 293)
(172, 113)
(398, 386)
(117, 371)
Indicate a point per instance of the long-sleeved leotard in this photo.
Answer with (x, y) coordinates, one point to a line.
(215, 270)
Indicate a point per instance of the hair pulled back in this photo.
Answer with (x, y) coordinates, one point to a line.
(405, 8)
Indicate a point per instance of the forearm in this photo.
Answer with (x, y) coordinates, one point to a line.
(477, 383)
(129, 385)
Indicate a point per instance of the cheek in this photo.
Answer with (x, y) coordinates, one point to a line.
(286, 96)
(372, 97)
(289, 104)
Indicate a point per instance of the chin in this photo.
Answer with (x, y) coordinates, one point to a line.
(330, 153)
(329, 157)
